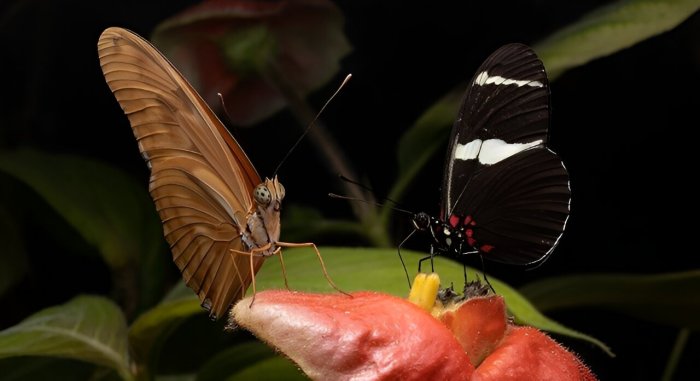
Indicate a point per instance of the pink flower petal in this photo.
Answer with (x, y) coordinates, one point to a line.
(528, 354)
(479, 324)
(368, 336)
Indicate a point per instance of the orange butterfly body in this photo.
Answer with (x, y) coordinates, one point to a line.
(219, 218)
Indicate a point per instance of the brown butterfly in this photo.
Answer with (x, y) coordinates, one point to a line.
(220, 219)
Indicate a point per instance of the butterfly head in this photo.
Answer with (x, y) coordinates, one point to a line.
(421, 221)
(268, 199)
(269, 194)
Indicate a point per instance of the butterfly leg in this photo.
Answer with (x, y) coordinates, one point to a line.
(431, 256)
(284, 268)
(420, 261)
(483, 271)
(278, 252)
(483, 268)
(318, 254)
(255, 252)
(408, 278)
(252, 273)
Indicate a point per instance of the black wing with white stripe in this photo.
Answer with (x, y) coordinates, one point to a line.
(499, 174)
(506, 101)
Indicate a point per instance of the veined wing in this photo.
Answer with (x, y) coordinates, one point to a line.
(201, 179)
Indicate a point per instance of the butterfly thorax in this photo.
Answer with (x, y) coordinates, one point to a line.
(452, 236)
(263, 222)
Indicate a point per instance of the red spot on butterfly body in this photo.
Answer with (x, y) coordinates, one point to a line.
(486, 248)
(454, 220)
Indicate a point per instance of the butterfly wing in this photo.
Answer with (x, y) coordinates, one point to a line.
(520, 208)
(498, 169)
(201, 179)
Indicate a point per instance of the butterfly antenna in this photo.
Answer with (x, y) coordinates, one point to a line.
(393, 207)
(223, 106)
(351, 181)
(365, 187)
(308, 128)
(377, 203)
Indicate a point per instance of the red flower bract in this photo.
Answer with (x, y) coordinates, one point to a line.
(478, 325)
(373, 336)
(504, 352)
(367, 336)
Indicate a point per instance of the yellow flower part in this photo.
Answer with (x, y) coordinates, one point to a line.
(424, 290)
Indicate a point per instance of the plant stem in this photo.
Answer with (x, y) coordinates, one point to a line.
(676, 354)
(126, 289)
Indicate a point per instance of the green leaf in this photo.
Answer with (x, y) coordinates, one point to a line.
(208, 337)
(43, 368)
(87, 328)
(179, 292)
(234, 360)
(150, 330)
(13, 260)
(609, 29)
(350, 268)
(249, 49)
(105, 205)
(176, 377)
(526, 313)
(275, 368)
(669, 299)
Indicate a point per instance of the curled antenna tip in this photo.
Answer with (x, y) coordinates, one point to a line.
(223, 107)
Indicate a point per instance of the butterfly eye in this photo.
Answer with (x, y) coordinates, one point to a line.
(262, 195)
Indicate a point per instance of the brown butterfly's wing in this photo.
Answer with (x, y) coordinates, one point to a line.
(201, 180)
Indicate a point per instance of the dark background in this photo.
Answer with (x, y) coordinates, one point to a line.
(624, 125)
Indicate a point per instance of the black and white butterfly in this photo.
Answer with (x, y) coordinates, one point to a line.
(505, 194)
